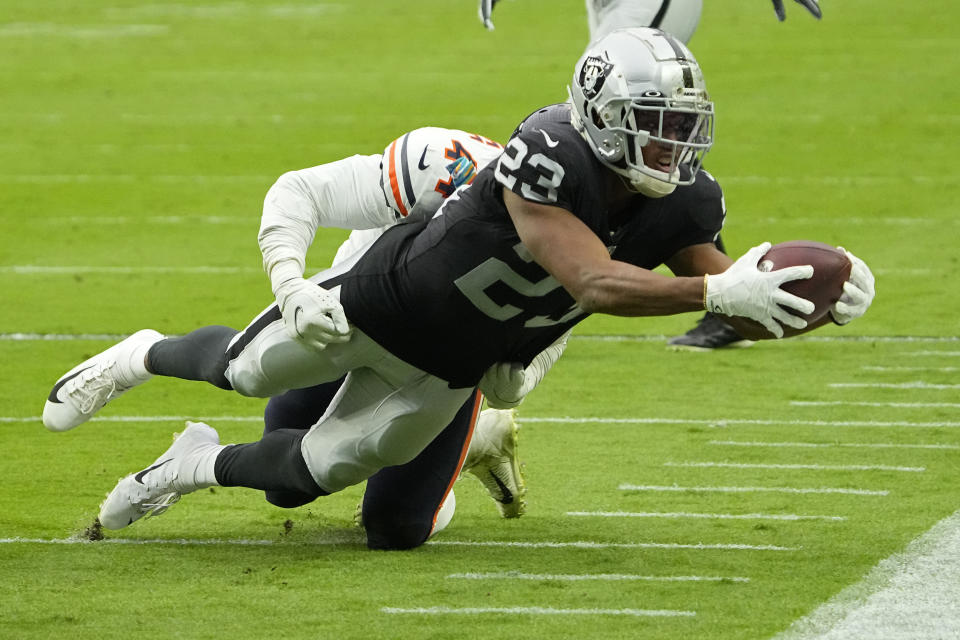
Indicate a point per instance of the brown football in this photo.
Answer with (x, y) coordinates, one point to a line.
(831, 268)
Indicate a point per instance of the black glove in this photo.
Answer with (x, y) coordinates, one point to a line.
(486, 10)
(811, 6)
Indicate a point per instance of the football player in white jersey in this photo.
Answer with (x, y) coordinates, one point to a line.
(677, 17)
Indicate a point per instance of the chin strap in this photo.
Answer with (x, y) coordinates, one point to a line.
(648, 186)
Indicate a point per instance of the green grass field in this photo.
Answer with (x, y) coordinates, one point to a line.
(136, 144)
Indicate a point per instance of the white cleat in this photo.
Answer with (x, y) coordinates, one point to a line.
(153, 490)
(492, 458)
(90, 385)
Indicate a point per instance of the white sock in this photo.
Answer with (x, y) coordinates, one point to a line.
(196, 470)
(444, 514)
(136, 366)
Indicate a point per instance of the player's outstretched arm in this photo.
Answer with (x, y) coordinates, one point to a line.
(566, 248)
(342, 194)
(813, 6)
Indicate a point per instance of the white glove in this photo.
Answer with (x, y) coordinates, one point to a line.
(858, 292)
(744, 290)
(506, 384)
(310, 313)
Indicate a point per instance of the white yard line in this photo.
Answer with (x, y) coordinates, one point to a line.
(704, 516)
(581, 544)
(727, 422)
(926, 353)
(126, 178)
(912, 595)
(123, 419)
(792, 490)
(815, 445)
(615, 545)
(186, 218)
(804, 338)
(892, 405)
(86, 32)
(57, 270)
(123, 270)
(536, 611)
(47, 337)
(868, 367)
(602, 577)
(799, 467)
(915, 384)
(720, 422)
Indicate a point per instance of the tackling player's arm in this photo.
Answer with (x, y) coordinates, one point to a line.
(341, 194)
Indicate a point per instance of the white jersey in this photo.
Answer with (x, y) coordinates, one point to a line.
(679, 18)
(368, 193)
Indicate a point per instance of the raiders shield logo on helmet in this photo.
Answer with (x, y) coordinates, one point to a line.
(592, 75)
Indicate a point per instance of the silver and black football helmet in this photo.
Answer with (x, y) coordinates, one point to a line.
(638, 86)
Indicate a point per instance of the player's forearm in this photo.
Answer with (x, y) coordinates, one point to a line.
(288, 224)
(624, 290)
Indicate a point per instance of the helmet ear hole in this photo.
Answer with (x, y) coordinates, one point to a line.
(597, 120)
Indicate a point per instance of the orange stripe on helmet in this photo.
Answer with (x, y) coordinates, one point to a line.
(394, 183)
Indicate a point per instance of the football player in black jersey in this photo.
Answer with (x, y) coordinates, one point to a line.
(587, 198)
(679, 18)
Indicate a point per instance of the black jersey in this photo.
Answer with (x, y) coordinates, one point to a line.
(460, 292)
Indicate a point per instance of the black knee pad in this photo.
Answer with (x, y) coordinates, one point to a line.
(288, 499)
(396, 531)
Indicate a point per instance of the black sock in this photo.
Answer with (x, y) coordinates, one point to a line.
(199, 355)
(274, 464)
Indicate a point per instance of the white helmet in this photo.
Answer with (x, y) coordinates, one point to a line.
(626, 87)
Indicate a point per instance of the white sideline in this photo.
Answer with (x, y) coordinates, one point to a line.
(807, 467)
(538, 611)
(579, 577)
(799, 490)
(912, 595)
(704, 516)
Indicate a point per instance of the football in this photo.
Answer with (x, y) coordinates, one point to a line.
(831, 268)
